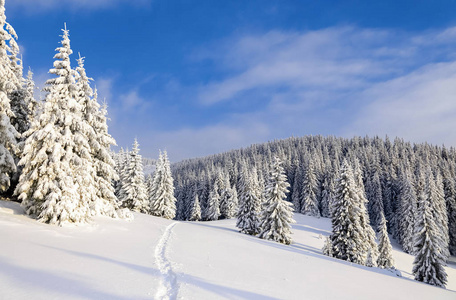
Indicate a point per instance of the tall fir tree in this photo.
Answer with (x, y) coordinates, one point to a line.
(277, 213)
(369, 245)
(134, 194)
(385, 258)
(348, 236)
(407, 212)
(430, 258)
(450, 199)
(104, 201)
(297, 189)
(247, 216)
(162, 200)
(195, 211)
(228, 201)
(10, 82)
(213, 204)
(374, 196)
(309, 201)
(56, 154)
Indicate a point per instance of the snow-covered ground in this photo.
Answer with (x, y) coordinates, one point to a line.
(153, 258)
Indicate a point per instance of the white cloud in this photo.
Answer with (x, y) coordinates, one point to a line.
(340, 81)
(132, 100)
(34, 6)
(419, 106)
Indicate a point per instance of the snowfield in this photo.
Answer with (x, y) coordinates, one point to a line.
(154, 258)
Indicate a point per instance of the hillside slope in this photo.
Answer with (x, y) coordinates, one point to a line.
(151, 257)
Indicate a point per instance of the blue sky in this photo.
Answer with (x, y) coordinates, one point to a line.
(202, 77)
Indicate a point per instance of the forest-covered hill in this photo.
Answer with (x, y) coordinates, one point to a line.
(394, 175)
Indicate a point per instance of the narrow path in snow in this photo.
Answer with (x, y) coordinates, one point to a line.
(168, 284)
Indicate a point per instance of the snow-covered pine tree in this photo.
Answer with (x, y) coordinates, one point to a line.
(247, 217)
(228, 201)
(327, 247)
(450, 199)
(213, 204)
(277, 214)
(195, 211)
(348, 237)
(385, 258)
(56, 153)
(369, 245)
(407, 212)
(327, 191)
(375, 198)
(32, 104)
(309, 201)
(297, 189)
(9, 82)
(162, 200)
(441, 214)
(121, 168)
(430, 258)
(134, 196)
(104, 201)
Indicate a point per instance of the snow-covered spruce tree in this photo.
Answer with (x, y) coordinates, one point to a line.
(450, 199)
(277, 214)
(375, 198)
(105, 201)
(9, 83)
(309, 202)
(385, 258)
(195, 211)
(32, 104)
(122, 163)
(297, 189)
(368, 232)
(213, 205)
(228, 201)
(440, 214)
(327, 192)
(56, 155)
(162, 200)
(247, 217)
(327, 247)
(430, 259)
(348, 237)
(133, 191)
(407, 212)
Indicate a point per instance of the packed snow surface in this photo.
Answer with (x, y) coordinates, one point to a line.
(155, 258)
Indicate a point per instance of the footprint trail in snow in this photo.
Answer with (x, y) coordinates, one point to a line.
(168, 287)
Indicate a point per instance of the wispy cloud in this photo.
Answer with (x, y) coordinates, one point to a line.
(343, 81)
(419, 106)
(337, 59)
(37, 6)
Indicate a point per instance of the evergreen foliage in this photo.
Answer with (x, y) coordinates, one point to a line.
(430, 259)
(407, 213)
(247, 216)
(56, 156)
(309, 202)
(133, 193)
(213, 205)
(162, 200)
(195, 212)
(348, 237)
(277, 214)
(385, 258)
(10, 83)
